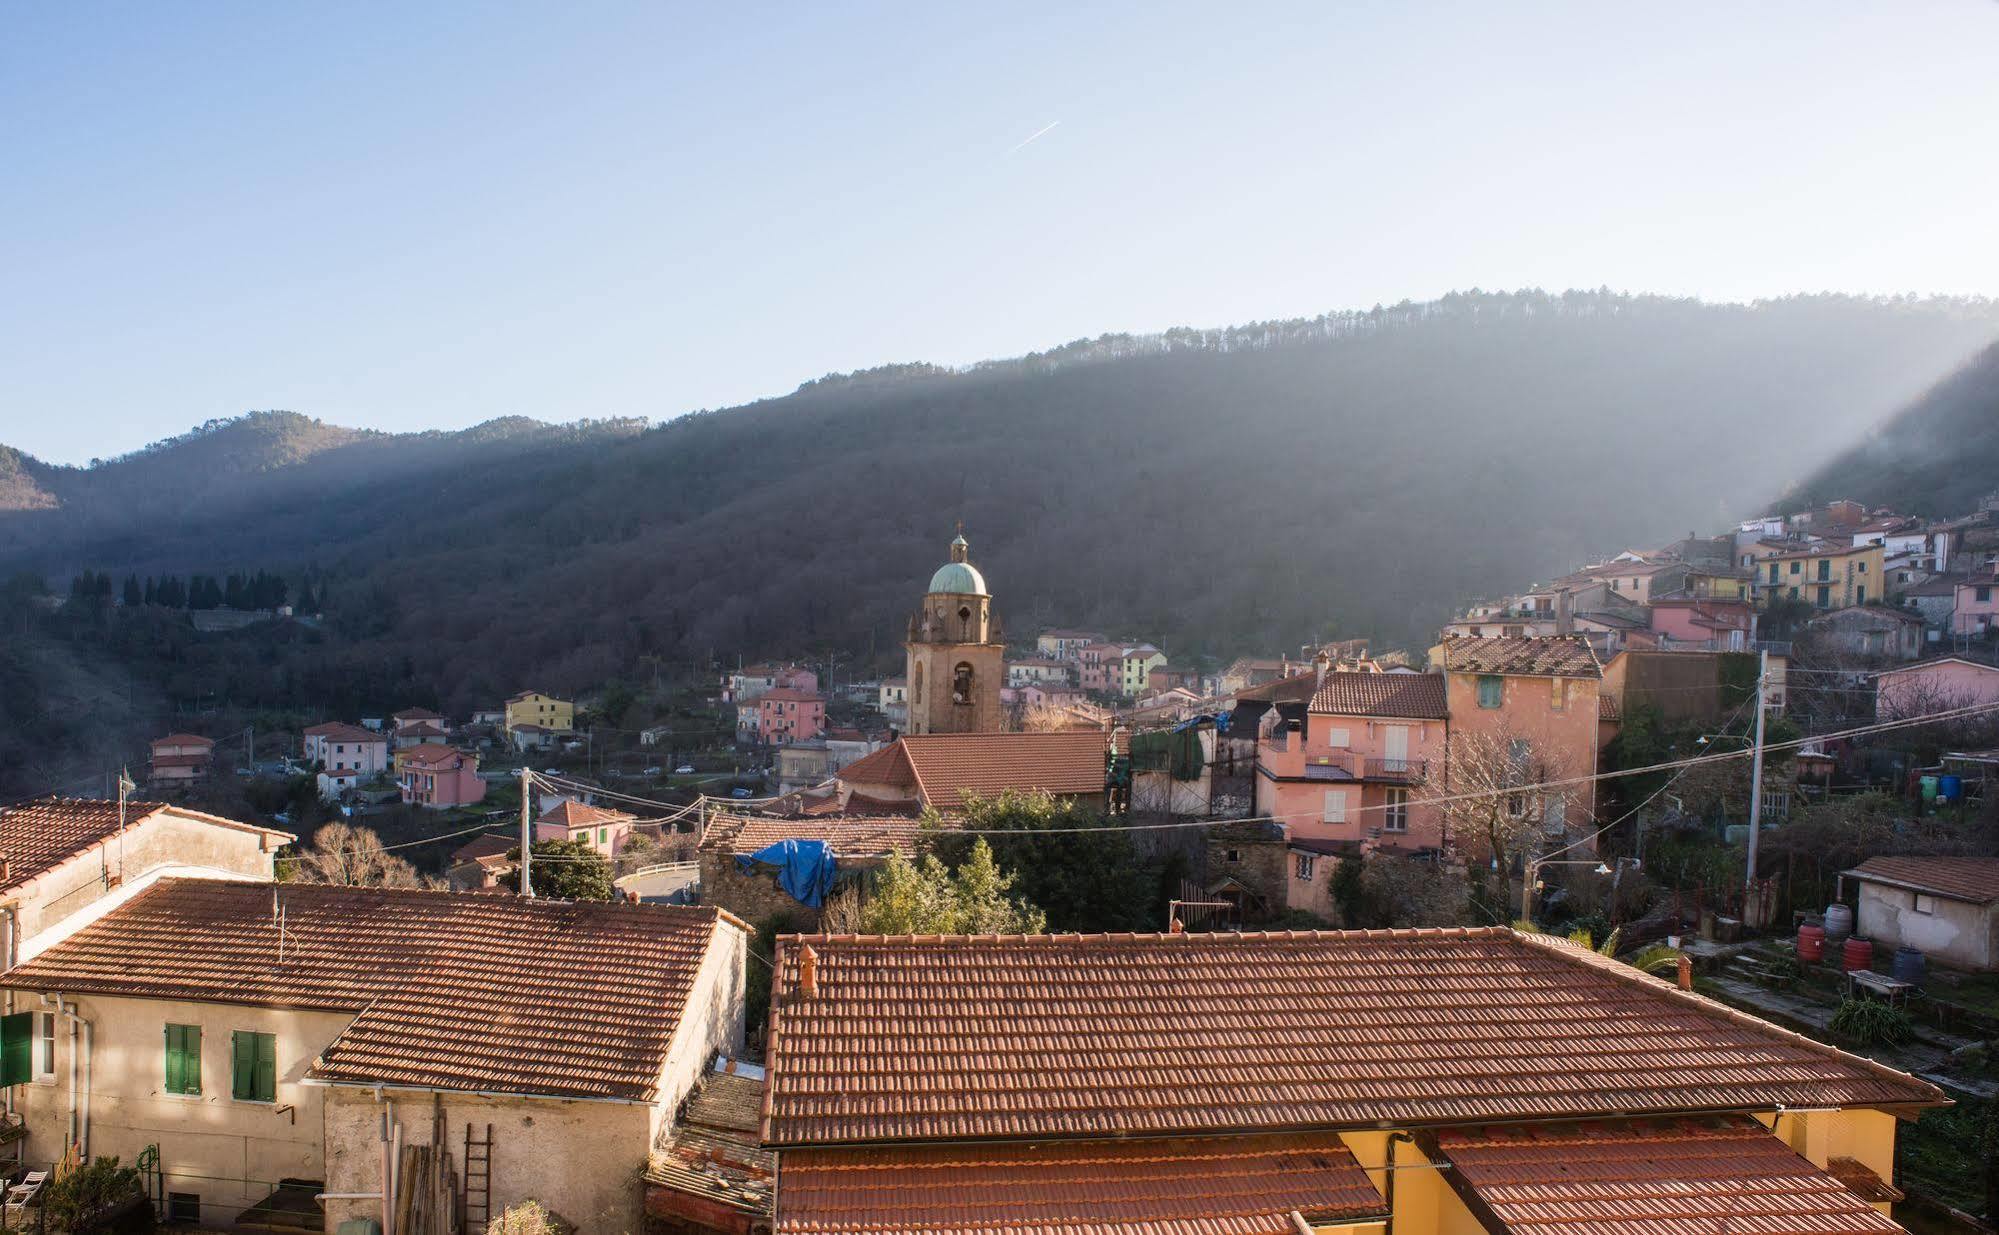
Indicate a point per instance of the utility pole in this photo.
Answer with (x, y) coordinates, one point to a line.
(1756, 780)
(527, 830)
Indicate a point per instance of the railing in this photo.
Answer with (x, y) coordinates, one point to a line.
(1346, 765)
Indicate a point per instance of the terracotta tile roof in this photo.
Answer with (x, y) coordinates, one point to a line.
(1204, 1186)
(487, 993)
(1567, 656)
(1415, 696)
(1298, 688)
(849, 835)
(944, 767)
(786, 694)
(38, 836)
(570, 813)
(340, 730)
(1110, 1035)
(485, 849)
(409, 714)
(887, 766)
(1606, 708)
(420, 729)
(183, 739)
(1972, 880)
(1649, 1178)
(713, 1153)
(432, 757)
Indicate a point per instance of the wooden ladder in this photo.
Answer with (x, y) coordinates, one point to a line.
(477, 1203)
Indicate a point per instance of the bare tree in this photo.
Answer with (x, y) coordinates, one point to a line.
(352, 857)
(1491, 800)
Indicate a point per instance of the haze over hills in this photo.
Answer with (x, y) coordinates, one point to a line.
(1217, 491)
(1936, 457)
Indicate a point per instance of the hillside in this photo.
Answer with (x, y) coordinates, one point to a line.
(1935, 457)
(1360, 474)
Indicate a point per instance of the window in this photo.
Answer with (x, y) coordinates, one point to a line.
(1860, 594)
(1825, 598)
(184, 1207)
(183, 1059)
(1925, 903)
(1491, 690)
(1233, 855)
(1983, 594)
(1336, 806)
(1773, 572)
(1305, 867)
(1794, 593)
(961, 683)
(1825, 568)
(45, 1046)
(1860, 567)
(1341, 738)
(253, 1073)
(1396, 817)
(603, 836)
(1796, 567)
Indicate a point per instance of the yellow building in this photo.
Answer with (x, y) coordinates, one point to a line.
(1824, 576)
(531, 707)
(1470, 1081)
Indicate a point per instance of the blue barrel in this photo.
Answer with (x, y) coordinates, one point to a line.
(1910, 965)
(1838, 922)
(1949, 787)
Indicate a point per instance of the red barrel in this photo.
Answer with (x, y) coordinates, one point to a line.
(1857, 954)
(1811, 943)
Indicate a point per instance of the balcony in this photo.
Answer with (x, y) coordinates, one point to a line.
(1342, 765)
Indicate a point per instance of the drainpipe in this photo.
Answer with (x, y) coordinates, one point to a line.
(1388, 1162)
(79, 1074)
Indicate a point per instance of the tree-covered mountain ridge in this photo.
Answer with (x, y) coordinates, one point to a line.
(1219, 491)
(1936, 457)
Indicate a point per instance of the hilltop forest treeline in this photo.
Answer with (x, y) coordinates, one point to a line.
(1217, 491)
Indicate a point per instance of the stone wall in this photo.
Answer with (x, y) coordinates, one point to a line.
(1257, 857)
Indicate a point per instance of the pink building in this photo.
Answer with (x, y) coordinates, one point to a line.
(1714, 625)
(1098, 665)
(1371, 744)
(605, 831)
(786, 715)
(181, 757)
(1977, 609)
(440, 777)
(1540, 698)
(1934, 686)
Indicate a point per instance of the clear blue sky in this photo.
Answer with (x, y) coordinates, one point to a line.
(412, 216)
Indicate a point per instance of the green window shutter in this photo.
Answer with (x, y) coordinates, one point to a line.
(17, 1048)
(183, 1066)
(253, 1073)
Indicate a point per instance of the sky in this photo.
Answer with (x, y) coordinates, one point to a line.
(425, 216)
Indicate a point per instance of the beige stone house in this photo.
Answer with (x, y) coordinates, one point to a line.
(263, 1033)
(1945, 907)
(66, 861)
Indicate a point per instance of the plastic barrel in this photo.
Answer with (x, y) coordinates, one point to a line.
(1949, 787)
(1910, 965)
(1856, 953)
(1929, 788)
(1811, 943)
(1838, 922)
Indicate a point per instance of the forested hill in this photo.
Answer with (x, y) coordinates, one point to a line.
(1359, 474)
(1936, 457)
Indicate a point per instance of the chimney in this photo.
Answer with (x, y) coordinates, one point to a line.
(1565, 617)
(1320, 664)
(808, 972)
(1686, 973)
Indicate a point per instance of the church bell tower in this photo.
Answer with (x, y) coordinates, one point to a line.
(957, 656)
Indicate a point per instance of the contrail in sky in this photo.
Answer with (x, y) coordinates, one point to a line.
(1036, 136)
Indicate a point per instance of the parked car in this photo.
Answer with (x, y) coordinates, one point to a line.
(652, 771)
(685, 769)
(739, 792)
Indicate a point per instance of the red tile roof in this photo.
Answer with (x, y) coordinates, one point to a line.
(944, 767)
(1606, 708)
(485, 993)
(1298, 688)
(1414, 696)
(849, 835)
(1110, 1035)
(1649, 1178)
(1205, 1186)
(570, 813)
(1973, 880)
(432, 757)
(486, 848)
(1566, 656)
(183, 739)
(36, 837)
(340, 730)
(713, 1153)
(785, 694)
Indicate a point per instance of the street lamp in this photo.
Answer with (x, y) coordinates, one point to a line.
(1532, 883)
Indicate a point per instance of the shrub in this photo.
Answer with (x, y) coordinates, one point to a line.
(1870, 1022)
(88, 1191)
(527, 1218)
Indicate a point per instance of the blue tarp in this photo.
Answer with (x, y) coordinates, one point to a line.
(805, 868)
